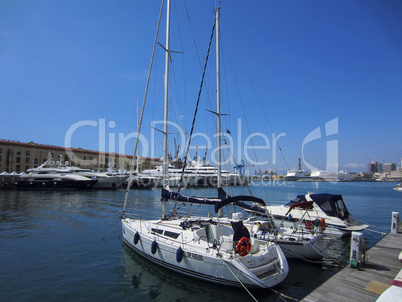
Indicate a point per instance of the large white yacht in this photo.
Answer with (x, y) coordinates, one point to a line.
(49, 176)
(196, 174)
(104, 180)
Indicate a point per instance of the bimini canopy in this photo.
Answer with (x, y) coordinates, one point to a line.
(331, 204)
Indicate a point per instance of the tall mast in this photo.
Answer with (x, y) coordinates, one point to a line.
(138, 160)
(218, 99)
(165, 126)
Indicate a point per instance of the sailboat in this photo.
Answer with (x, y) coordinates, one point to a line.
(199, 247)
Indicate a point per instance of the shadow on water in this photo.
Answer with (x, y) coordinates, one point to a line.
(151, 282)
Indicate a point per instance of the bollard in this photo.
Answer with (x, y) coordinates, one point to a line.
(395, 222)
(356, 248)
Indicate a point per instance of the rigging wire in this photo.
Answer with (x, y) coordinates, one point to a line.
(196, 108)
(142, 114)
(196, 49)
(206, 84)
(183, 60)
(259, 101)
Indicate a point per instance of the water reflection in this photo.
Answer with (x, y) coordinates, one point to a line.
(160, 284)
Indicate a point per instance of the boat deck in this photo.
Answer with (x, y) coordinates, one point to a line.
(367, 283)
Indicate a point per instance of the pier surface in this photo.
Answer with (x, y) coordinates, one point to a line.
(368, 282)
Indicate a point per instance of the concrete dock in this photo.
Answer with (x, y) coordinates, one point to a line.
(369, 281)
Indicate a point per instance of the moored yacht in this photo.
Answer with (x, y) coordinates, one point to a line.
(311, 208)
(103, 179)
(295, 241)
(47, 176)
(196, 174)
(206, 249)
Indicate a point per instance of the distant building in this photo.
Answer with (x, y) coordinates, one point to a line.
(388, 167)
(397, 174)
(19, 157)
(366, 175)
(375, 167)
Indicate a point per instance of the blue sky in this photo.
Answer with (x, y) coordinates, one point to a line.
(289, 69)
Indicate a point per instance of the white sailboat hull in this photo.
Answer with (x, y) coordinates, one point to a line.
(264, 269)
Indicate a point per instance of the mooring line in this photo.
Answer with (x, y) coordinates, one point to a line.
(103, 238)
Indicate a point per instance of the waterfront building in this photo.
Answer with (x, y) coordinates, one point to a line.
(388, 167)
(397, 174)
(375, 167)
(19, 157)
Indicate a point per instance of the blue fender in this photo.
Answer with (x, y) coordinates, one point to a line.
(136, 238)
(179, 255)
(154, 247)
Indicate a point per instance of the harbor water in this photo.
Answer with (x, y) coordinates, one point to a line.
(67, 245)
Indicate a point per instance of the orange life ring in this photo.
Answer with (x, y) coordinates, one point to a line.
(323, 224)
(243, 246)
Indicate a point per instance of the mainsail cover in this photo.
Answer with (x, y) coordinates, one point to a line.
(166, 194)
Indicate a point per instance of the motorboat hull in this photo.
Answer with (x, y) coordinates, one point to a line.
(334, 226)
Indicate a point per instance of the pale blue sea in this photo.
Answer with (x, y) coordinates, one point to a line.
(67, 245)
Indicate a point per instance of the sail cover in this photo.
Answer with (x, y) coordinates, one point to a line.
(190, 199)
(219, 202)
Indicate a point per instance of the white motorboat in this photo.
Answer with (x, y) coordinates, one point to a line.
(398, 187)
(311, 208)
(103, 179)
(200, 247)
(47, 176)
(295, 241)
(62, 171)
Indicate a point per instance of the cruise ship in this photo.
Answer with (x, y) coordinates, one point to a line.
(299, 174)
(324, 175)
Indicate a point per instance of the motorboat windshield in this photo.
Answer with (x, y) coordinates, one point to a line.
(332, 204)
